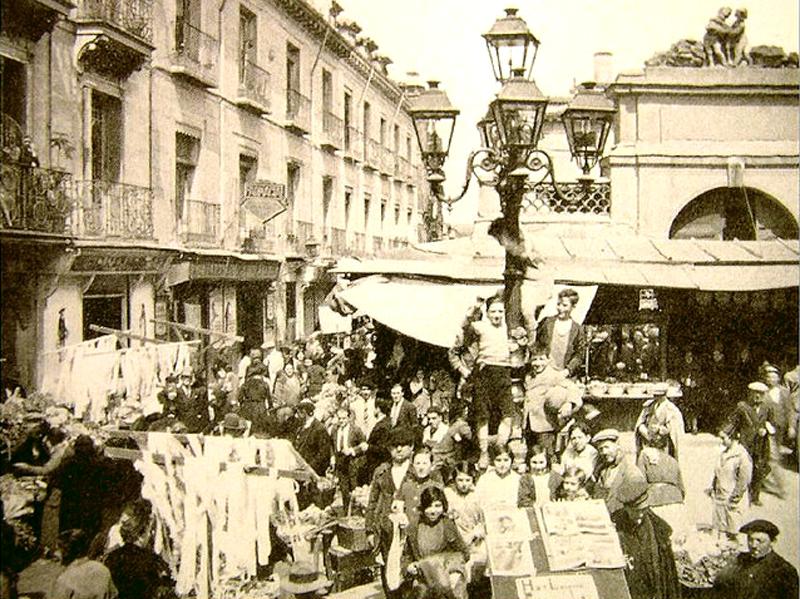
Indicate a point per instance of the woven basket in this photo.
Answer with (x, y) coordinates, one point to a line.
(352, 533)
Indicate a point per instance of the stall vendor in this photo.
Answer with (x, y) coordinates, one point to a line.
(759, 573)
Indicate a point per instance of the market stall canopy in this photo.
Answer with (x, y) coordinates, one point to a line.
(706, 265)
(428, 310)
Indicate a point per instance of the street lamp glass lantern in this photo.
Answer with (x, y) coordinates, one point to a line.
(587, 121)
(434, 119)
(519, 113)
(487, 128)
(511, 46)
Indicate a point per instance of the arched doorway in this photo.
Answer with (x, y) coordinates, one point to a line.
(728, 213)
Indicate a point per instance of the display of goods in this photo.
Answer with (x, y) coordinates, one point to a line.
(700, 556)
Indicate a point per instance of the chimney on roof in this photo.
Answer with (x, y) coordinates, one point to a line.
(603, 68)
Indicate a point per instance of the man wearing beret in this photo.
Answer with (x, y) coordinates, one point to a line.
(760, 573)
(650, 572)
(614, 469)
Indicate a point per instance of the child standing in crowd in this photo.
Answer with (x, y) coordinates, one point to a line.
(731, 479)
(579, 452)
(573, 485)
(499, 486)
(465, 510)
(538, 486)
(421, 476)
(435, 533)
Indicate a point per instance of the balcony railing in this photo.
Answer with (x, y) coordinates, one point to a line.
(260, 239)
(579, 198)
(353, 144)
(332, 130)
(253, 87)
(377, 244)
(35, 199)
(387, 161)
(298, 111)
(106, 209)
(303, 232)
(338, 241)
(133, 16)
(372, 151)
(200, 221)
(195, 54)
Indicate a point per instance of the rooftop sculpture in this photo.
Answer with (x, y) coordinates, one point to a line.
(724, 45)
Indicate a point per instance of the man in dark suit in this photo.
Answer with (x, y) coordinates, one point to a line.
(313, 443)
(564, 338)
(378, 442)
(191, 403)
(349, 444)
(403, 414)
(255, 398)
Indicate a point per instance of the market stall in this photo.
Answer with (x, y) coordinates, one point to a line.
(562, 550)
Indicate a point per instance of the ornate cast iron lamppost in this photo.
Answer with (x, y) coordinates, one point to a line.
(510, 159)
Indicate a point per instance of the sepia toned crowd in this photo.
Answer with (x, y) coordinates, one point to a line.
(435, 440)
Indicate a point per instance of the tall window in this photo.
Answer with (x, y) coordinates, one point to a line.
(106, 136)
(13, 99)
(348, 202)
(327, 196)
(382, 133)
(367, 206)
(396, 140)
(292, 191)
(187, 25)
(187, 150)
(383, 212)
(327, 91)
(408, 148)
(348, 117)
(367, 118)
(248, 36)
(292, 79)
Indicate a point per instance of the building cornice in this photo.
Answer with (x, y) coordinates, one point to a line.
(708, 81)
(316, 24)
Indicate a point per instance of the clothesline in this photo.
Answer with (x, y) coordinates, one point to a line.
(125, 350)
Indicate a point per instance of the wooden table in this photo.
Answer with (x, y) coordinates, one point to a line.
(610, 583)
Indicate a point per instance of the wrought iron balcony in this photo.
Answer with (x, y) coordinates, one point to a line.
(387, 161)
(132, 16)
(332, 131)
(114, 36)
(580, 198)
(298, 112)
(113, 210)
(303, 233)
(372, 154)
(195, 55)
(260, 239)
(353, 144)
(35, 199)
(200, 222)
(377, 244)
(254, 87)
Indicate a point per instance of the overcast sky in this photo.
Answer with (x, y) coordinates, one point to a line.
(441, 39)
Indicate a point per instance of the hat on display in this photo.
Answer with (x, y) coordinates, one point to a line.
(303, 577)
(607, 434)
(764, 526)
(758, 386)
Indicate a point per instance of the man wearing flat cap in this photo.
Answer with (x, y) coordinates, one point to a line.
(614, 469)
(759, 573)
(661, 415)
(751, 421)
(650, 572)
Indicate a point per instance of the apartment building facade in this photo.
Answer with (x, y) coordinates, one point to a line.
(192, 162)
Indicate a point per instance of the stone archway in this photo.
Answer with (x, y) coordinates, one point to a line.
(728, 213)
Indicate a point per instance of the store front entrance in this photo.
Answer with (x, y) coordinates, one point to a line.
(250, 313)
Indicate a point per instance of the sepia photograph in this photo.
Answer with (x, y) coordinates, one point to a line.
(297, 295)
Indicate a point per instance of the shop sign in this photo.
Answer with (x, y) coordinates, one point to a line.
(648, 299)
(264, 199)
(116, 263)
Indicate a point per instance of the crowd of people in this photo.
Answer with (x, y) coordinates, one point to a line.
(436, 446)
